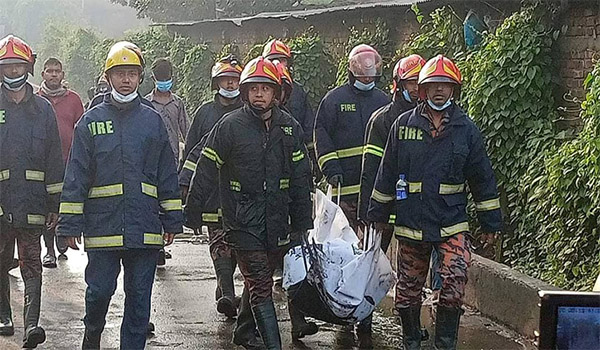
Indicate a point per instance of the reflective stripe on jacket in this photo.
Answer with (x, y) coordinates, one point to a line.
(437, 171)
(121, 186)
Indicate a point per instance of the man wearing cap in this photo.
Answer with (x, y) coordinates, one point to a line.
(121, 191)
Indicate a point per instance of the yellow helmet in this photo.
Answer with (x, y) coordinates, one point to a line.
(124, 53)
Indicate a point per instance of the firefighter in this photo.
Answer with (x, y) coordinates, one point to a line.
(225, 78)
(263, 182)
(340, 126)
(121, 191)
(404, 97)
(432, 153)
(31, 172)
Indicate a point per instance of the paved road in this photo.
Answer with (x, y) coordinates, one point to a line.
(185, 315)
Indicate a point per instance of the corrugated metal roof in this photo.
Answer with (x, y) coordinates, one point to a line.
(300, 14)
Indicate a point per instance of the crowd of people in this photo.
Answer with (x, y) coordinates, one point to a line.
(129, 172)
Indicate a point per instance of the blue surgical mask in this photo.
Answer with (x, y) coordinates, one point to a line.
(364, 87)
(230, 94)
(15, 84)
(123, 98)
(439, 108)
(406, 96)
(164, 86)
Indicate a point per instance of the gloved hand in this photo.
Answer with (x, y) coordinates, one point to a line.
(335, 180)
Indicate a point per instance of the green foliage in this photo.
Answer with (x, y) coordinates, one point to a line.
(379, 39)
(195, 76)
(312, 65)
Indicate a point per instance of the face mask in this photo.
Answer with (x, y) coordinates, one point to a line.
(406, 96)
(15, 84)
(230, 94)
(123, 98)
(439, 108)
(164, 86)
(364, 87)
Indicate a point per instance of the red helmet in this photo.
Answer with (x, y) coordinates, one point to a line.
(226, 67)
(277, 49)
(364, 61)
(439, 69)
(259, 70)
(15, 50)
(407, 68)
(286, 80)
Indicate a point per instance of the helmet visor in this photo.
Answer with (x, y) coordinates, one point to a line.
(365, 64)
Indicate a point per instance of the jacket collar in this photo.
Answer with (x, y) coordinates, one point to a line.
(8, 101)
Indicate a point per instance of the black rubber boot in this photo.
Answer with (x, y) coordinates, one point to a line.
(364, 332)
(6, 325)
(266, 320)
(244, 333)
(411, 327)
(446, 327)
(34, 335)
(300, 328)
(224, 272)
(91, 341)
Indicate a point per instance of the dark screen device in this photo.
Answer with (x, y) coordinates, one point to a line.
(569, 320)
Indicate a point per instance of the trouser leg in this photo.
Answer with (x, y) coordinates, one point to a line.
(101, 274)
(49, 241)
(139, 267)
(28, 243)
(7, 252)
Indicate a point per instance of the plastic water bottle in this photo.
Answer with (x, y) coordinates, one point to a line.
(401, 188)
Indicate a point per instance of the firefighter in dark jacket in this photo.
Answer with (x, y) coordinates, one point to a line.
(263, 185)
(433, 152)
(31, 173)
(340, 126)
(405, 94)
(225, 77)
(121, 191)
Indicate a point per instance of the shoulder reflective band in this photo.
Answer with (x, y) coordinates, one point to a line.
(382, 197)
(106, 191)
(392, 219)
(102, 242)
(284, 184)
(4, 174)
(327, 157)
(54, 188)
(189, 165)
(297, 156)
(171, 204)
(149, 190)
(70, 208)
(235, 186)
(36, 219)
(454, 229)
(374, 150)
(451, 189)
(347, 190)
(491, 204)
(210, 217)
(212, 155)
(153, 239)
(34, 175)
(415, 187)
(408, 232)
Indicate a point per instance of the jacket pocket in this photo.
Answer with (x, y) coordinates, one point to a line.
(38, 144)
(458, 159)
(250, 212)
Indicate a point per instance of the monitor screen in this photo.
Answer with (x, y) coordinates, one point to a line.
(578, 327)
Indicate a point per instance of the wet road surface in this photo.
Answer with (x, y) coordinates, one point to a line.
(183, 311)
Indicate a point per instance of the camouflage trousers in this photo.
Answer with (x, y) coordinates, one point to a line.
(29, 247)
(413, 264)
(216, 243)
(257, 267)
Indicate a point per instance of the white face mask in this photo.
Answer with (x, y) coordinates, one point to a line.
(15, 84)
(406, 96)
(123, 98)
(230, 94)
(439, 108)
(364, 87)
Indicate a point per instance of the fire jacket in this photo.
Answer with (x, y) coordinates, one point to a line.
(340, 133)
(263, 182)
(31, 164)
(299, 107)
(120, 186)
(437, 172)
(205, 118)
(377, 132)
